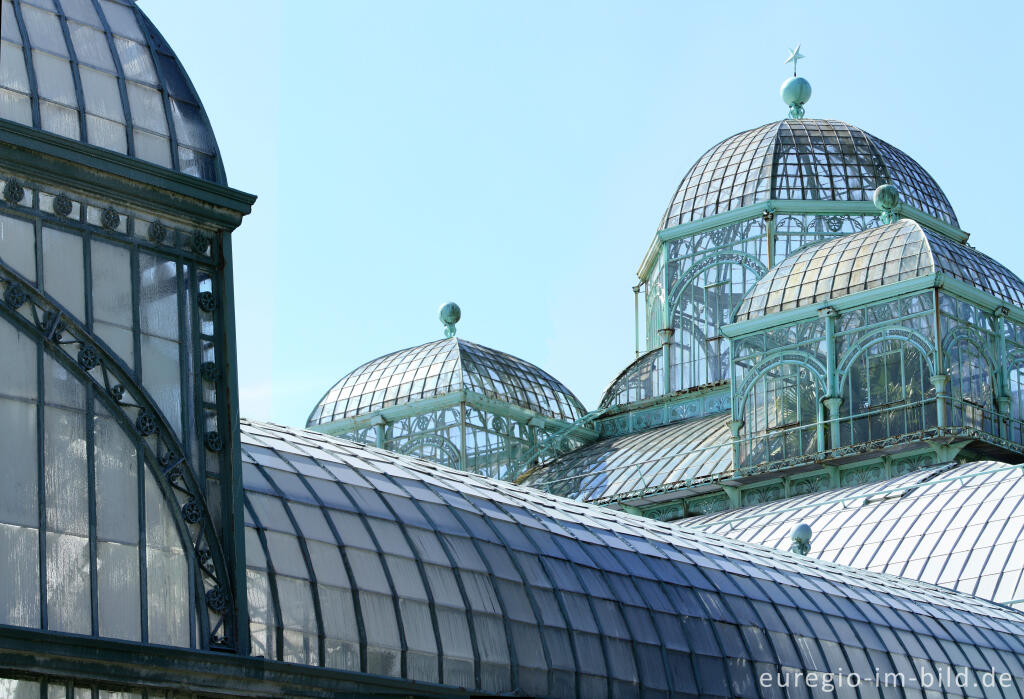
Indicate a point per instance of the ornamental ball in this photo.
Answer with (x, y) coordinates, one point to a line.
(801, 533)
(795, 92)
(887, 197)
(450, 313)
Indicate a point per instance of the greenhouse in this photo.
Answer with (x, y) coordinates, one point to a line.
(807, 470)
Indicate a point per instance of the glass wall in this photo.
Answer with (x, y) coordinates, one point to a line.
(708, 273)
(88, 541)
(142, 287)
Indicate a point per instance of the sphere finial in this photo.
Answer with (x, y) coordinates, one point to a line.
(801, 536)
(887, 199)
(450, 313)
(795, 91)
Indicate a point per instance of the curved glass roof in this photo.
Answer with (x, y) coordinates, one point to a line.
(99, 72)
(441, 367)
(644, 462)
(807, 159)
(959, 527)
(872, 258)
(365, 560)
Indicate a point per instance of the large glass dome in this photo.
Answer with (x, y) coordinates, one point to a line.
(808, 159)
(100, 73)
(442, 367)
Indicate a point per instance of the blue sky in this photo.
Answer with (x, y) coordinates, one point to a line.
(516, 157)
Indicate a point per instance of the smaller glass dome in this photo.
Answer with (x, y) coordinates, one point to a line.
(804, 159)
(442, 367)
(98, 71)
(875, 257)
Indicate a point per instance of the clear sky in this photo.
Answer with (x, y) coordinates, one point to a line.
(516, 157)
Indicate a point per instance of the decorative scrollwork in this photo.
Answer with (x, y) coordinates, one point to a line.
(213, 441)
(88, 359)
(14, 296)
(145, 423)
(200, 242)
(498, 425)
(207, 301)
(14, 191)
(191, 512)
(834, 223)
(110, 219)
(116, 392)
(422, 423)
(157, 232)
(210, 371)
(62, 205)
(217, 600)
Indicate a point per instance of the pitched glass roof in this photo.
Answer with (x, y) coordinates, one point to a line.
(365, 560)
(644, 462)
(806, 159)
(959, 527)
(845, 265)
(99, 72)
(441, 367)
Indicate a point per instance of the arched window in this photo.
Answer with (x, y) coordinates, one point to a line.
(780, 415)
(703, 303)
(970, 386)
(884, 390)
(88, 540)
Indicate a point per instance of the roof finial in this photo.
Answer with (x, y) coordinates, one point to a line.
(795, 91)
(887, 199)
(801, 536)
(449, 315)
(795, 56)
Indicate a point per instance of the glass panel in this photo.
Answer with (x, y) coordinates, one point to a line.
(64, 270)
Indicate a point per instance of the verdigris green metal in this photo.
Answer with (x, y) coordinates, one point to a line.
(450, 313)
(887, 199)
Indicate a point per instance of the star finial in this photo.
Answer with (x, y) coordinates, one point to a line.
(795, 56)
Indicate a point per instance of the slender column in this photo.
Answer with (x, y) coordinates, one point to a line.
(378, 427)
(832, 405)
(941, 383)
(832, 401)
(1003, 391)
(666, 359)
(636, 317)
(735, 426)
(769, 220)
(666, 325)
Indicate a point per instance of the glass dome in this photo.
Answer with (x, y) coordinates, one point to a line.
(805, 159)
(441, 367)
(873, 258)
(99, 72)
